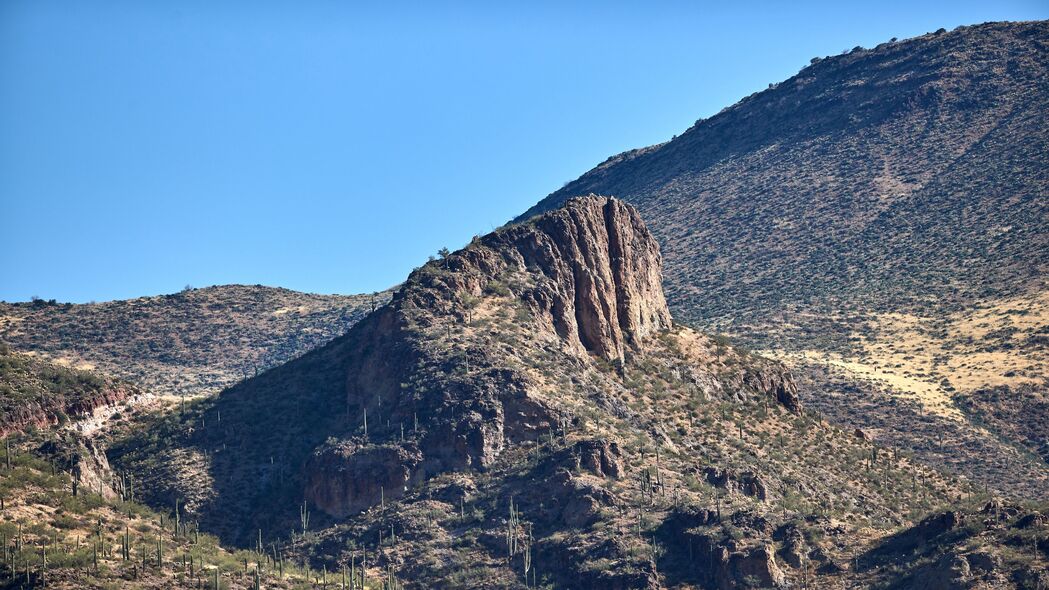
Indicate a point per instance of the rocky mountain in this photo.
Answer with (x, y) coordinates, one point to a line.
(525, 412)
(529, 412)
(193, 342)
(879, 221)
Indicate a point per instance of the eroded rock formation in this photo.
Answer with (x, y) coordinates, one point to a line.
(579, 287)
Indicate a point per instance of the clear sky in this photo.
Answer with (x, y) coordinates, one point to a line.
(332, 146)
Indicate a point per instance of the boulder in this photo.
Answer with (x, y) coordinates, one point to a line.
(347, 478)
(599, 457)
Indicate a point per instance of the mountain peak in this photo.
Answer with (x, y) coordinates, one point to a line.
(474, 353)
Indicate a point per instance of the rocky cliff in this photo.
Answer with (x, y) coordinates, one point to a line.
(443, 359)
(586, 277)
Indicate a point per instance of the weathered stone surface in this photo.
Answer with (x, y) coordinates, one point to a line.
(753, 568)
(579, 502)
(776, 384)
(605, 273)
(747, 483)
(599, 457)
(984, 562)
(949, 572)
(1033, 519)
(593, 281)
(348, 478)
(795, 550)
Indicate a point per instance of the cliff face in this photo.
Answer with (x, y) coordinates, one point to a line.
(603, 289)
(586, 276)
(574, 287)
(345, 479)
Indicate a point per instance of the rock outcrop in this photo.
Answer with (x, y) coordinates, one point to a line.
(747, 483)
(469, 355)
(599, 457)
(776, 384)
(345, 479)
(752, 568)
(604, 289)
(587, 276)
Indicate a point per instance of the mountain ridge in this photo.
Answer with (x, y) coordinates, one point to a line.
(194, 342)
(921, 75)
(527, 412)
(879, 221)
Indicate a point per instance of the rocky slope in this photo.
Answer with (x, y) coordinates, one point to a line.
(525, 412)
(993, 545)
(894, 175)
(882, 214)
(56, 531)
(193, 342)
(37, 394)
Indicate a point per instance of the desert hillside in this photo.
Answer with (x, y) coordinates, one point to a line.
(880, 222)
(193, 342)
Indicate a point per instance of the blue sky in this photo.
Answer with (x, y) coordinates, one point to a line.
(332, 146)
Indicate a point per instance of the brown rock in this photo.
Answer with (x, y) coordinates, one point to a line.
(951, 571)
(593, 281)
(604, 291)
(984, 562)
(753, 568)
(599, 457)
(747, 483)
(1033, 519)
(718, 478)
(794, 549)
(774, 382)
(752, 485)
(347, 478)
(578, 502)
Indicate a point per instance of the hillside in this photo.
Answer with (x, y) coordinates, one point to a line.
(879, 221)
(37, 394)
(196, 341)
(61, 529)
(525, 412)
